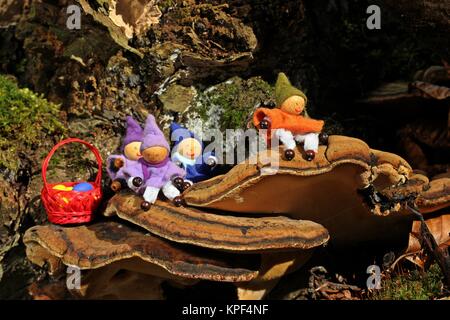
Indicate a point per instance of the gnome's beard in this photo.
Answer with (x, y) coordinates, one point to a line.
(185, 161)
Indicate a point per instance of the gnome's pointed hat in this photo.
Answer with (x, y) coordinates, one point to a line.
(178, 133)
(134, 132)
(284, 89)
(153, 136)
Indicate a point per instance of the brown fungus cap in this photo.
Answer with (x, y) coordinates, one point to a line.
(363, 164)
(104, 243)
(218, 231)
(327, 191)
(435, 195)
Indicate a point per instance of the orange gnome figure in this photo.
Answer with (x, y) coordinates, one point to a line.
(286, 122)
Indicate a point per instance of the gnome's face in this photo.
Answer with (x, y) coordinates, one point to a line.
(190, 148)
(155, 154)
(293, 105)
(132, 150)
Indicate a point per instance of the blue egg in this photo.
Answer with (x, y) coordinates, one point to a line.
(83, 187)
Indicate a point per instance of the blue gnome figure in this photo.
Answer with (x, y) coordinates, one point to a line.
(187, 152)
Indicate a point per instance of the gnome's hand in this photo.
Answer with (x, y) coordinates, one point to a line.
(118, 163)
(134, 183)
(265, 123)
(211, 161)
(115, 163)
(151, 194)
(177, 182)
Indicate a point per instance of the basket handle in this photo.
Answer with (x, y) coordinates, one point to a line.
(98, 179)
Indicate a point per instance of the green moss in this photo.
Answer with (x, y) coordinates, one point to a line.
(236, 99)
(25, 119)
(413, 285)
(164, 5)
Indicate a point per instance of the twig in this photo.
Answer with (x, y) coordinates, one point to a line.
(394, 264)
(429, 243)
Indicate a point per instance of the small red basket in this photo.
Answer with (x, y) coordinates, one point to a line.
(65, 206)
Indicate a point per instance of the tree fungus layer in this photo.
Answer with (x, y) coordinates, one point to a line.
(250, 227)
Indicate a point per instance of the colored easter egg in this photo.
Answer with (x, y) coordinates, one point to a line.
(62, 187)
(83, 187)
(62, 199)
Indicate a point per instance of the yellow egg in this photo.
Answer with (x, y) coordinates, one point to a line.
(62, 187)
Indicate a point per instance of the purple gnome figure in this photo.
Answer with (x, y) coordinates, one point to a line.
(119, 167)
(155, 168)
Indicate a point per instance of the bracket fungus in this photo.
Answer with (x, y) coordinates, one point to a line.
(107, 251)
(247, 227)
(355, 192)
(283, 244)
(217, 231)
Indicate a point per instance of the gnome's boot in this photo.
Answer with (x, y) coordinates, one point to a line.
(178, 201)
(187, 184)
(181, 184)
(310, 144)
(172, 193)
(310, 155)
(145, 205)
(289, 154)
(150, 196)
(287, 139)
